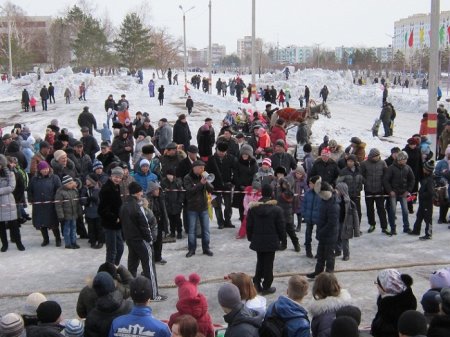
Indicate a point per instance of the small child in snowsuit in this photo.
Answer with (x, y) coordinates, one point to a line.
(89, 199)
(310, 211)
(189, 104)
(68, 209)
(174, 197)
(105, 133)
(425, 211)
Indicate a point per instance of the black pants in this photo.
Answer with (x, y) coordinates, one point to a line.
(14, 231)
(175, 223)
(424, 213)
(357, 201)
(56, 233)
(379, 203)
(140, 251)
(443, 210)
(95, 231)
(44, 105)
(325, 258)
(157, 245)
(189, 112)
(223, 218)
(264, 269)
(290, 230)
(81, 229)
(52, 97)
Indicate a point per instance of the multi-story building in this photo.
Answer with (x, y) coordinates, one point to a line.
(419, 25)
(383, 54)
(244, 46)
(200, 57)
(293, 54)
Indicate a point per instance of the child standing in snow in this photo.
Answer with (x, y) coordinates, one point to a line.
(33, 103)
(189, 104)
(252, 194)
(68, 210)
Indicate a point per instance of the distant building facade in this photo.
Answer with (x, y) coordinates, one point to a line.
(293, 54)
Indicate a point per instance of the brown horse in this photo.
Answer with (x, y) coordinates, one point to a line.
(292, 116)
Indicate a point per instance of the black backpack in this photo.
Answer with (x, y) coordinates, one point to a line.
(273, 325)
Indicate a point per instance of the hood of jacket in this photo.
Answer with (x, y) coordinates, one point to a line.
(324, 195)
(289, 309)
(330, 303)
(196, 307)
(259, 206)
(242, 314)
(110, 302)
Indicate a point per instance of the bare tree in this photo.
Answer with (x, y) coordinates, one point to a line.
(166, 50)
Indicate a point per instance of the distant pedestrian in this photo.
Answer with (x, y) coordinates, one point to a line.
(44, 97)
(51, 92)
(82, 90)
(189, 104)
(161, 95)
(67, 95)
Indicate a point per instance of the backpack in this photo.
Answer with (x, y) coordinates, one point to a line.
(273, 325)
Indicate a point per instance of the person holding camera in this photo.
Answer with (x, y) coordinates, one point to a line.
(197, 188)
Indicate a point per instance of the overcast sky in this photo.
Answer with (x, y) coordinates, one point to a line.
(330, 23)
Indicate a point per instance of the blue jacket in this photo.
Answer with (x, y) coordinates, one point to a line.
(139, 322)
(328, 224)
(105, 133)
(295, 317)
(144, 180)
(311, 207)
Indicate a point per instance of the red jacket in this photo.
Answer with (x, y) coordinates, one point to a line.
(197, 307)
(278, 132)
(423, 127)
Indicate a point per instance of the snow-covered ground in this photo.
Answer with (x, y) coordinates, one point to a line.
(63, 272)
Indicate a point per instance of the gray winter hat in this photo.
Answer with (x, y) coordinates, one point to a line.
(373, 153)
(402, 155)
(117, 171)
(229, 296)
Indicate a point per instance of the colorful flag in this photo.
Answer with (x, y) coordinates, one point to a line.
(411, 39)
(442, 34)
(422, 35)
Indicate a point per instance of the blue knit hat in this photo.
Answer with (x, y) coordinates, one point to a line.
(74, 328)
(96, 164)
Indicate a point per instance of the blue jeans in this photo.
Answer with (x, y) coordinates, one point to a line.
(70, 232)
(114, 245)
(392, 209)
(192, 236)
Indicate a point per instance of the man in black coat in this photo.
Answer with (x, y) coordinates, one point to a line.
(110, 202)
(138, 236)
(205, 138)
(223, 166)
(86, 118)
(265, 231)
(25, 100)
(306, 95)
(51, 92)
(44, 97)
(90, 144)
(49, 319)
(226, 137)
(181, 132)
(110, 103)
(106, 157)
(327, 228)
(282, 158)
(325, 167)
(414, 161)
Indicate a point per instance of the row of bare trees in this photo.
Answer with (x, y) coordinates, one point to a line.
(79, 39)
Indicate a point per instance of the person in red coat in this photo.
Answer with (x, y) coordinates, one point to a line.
(263, 141)
(278, 132)
(424, 125)
(191, 302)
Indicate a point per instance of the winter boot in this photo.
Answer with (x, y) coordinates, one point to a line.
(283, 245)
(57, 235)
(297, 247)
(44, 232)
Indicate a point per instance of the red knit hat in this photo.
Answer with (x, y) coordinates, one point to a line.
(187, 288)
(325, 152)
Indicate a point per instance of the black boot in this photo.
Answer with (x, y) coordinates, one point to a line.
(57, 235)
(3, 237)
(44, 232)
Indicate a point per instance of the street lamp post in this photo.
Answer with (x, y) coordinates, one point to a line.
(433, 73)
(392, 48)
(210, 53)
(9, 51)
(184, 39)
(253, 97)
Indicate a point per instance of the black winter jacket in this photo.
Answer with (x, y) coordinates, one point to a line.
(196, 193)
(245, 172)
(109, 205)
(399, 179)
(205, 140)
(328, 224)
(86, 118)
(134, 223)
(329, 170)
(283, 159)
(439, 326)
(182, 133)
(372, 173)
(45, 330)
(183, 168)
(265, 226)
(243, 322)
(173, 199)
(90, 145)
(224, 170)
(107, 308)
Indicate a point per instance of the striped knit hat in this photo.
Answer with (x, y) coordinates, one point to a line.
(66, 179)
(11, 325)
(74, 328)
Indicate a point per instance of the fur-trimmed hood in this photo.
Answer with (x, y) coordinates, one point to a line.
(323, 194)
(331, 303)
(260, 203)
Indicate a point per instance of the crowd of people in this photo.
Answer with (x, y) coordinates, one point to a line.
(145, 186)
(118, 304)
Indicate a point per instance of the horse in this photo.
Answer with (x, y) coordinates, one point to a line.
(293, 116)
